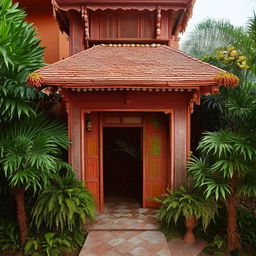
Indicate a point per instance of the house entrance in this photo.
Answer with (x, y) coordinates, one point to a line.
(122, 164)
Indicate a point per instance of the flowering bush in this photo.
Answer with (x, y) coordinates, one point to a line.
(231, 56)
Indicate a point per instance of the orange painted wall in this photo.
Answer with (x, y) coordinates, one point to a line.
(41, 15)
(140, 101)
(169, 102)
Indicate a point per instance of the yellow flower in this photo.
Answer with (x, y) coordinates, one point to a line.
(231, 48)
(234, 53)
(242, 58)
(226, 59)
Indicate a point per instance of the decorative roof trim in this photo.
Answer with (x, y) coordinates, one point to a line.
(135, 7)
(130, 89)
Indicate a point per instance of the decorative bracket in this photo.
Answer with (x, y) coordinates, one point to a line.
(158, 22)
(66, 98)
(86, 26)
(195, 99)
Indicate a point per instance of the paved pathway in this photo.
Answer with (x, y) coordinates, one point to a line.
(125, 230)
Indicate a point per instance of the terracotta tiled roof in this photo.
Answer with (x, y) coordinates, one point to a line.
(129, 65)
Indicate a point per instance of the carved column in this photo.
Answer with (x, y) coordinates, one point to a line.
(86, 26)
(158, 22)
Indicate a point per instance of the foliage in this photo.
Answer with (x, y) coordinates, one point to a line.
(30, 151)
(232, 57)
(53, 243)
(64, 204)
(211, 35)
(172, 229)
(9, 238)
(183, 204)
(218, 244)
(20, 54)
(223, 153)
(226, 164)
(208, 36)
(247, 227)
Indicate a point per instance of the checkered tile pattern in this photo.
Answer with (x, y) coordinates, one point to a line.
(125, 217)
(125, 230)
(125, 243)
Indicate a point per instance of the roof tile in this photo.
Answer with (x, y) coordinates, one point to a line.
(129, 66)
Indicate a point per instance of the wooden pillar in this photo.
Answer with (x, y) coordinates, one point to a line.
(76, 31)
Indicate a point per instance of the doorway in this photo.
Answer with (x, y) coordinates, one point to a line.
(122, 164)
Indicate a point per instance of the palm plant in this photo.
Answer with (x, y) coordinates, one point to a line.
(226, 166)
(64, 204)
(20, 54)
(29, 155)
(226, 169)
(208, 36)
(211, 35)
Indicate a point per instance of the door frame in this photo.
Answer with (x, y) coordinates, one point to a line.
(170, 175)
(101, 146)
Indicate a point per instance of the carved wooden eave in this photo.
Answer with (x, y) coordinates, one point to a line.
(196, 95)
(184, 7)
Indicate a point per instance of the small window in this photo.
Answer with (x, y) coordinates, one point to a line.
(132, 120)
(113, 120)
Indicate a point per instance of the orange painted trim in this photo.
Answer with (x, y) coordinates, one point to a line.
(82, 144)
(188, 129)
(172, 147)
(101, 171)
(122, 125)
(164, 110)
(101, 180)
(144, 165)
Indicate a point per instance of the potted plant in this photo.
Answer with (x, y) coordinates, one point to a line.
(189, 204)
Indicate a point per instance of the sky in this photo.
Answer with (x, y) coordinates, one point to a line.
(236, 11)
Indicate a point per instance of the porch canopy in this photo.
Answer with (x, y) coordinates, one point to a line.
(131, 67)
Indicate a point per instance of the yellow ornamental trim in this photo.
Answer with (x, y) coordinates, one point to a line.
(35, 79)
(226, 79)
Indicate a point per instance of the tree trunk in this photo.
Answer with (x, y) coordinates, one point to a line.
(21, 214)
(231, 204)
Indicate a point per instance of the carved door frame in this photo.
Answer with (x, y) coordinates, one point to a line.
(169, 176)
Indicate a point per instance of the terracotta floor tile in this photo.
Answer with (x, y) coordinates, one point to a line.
(127, 230)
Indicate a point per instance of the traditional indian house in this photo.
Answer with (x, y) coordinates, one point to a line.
(129, 93)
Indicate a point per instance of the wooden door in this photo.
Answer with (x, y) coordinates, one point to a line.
(154, 157)
(92, 156)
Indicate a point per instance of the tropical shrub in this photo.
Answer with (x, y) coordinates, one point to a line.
(65, 204)
(211, 35)
(183, 203)
(53, 243)
(29, 155)
(246, 227)
(9, 238)
(226, 170)
(20, 54)
(218, 245)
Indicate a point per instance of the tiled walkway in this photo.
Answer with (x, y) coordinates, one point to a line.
(124, 230)
(125, 217)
